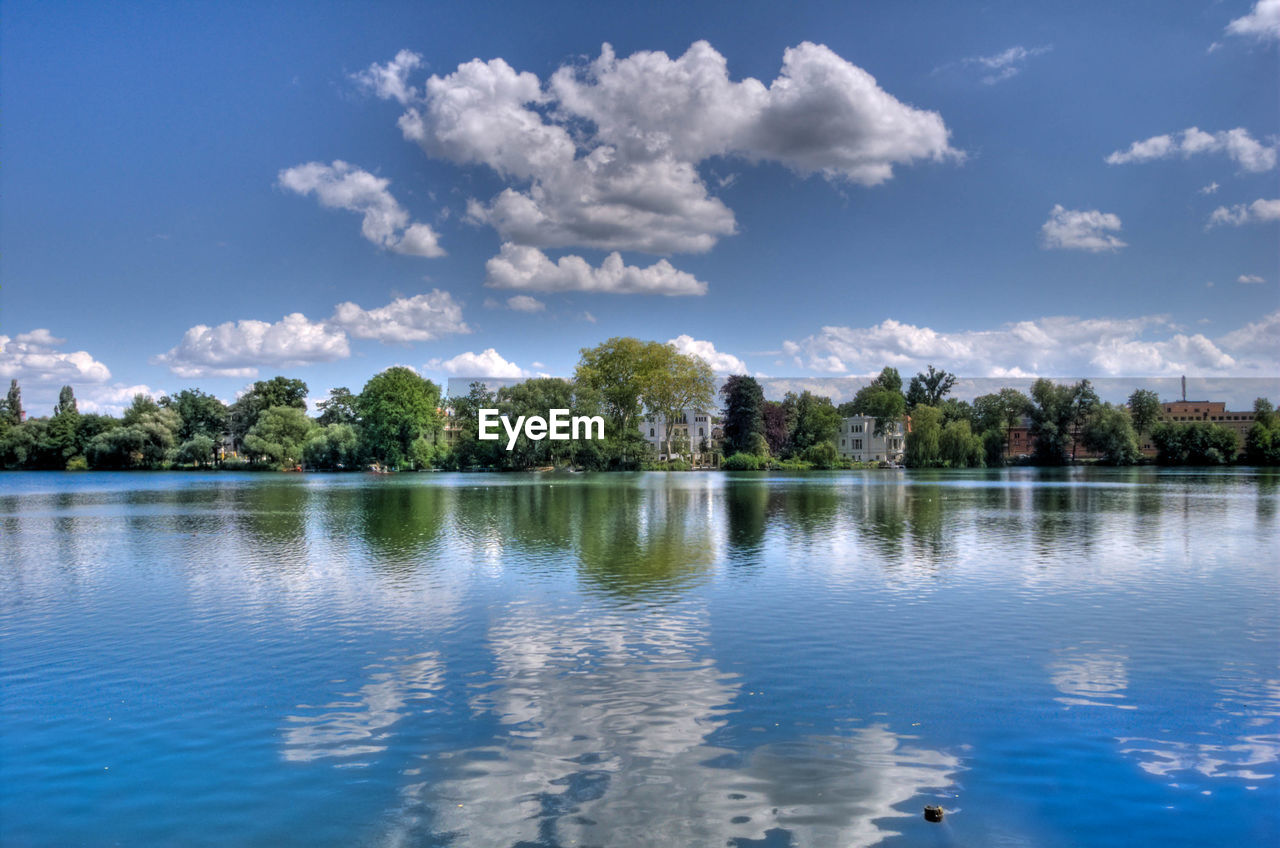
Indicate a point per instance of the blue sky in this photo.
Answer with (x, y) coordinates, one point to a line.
(792, 190)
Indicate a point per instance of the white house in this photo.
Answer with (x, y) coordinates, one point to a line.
(695, 433)
(857, 440)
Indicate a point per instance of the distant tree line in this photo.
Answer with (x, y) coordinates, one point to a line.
(398, 421)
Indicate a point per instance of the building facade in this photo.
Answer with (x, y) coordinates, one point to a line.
(857, 440)
(697, 433)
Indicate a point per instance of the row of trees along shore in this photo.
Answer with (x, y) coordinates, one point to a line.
(398, 421)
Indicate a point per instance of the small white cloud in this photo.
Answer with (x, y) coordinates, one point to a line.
(1211, 188)
(721, 363)
(391, 81)
(1081, 229)
(487, 363)
(420, 318)
(1257, 212)
(588, 317)
(1237, 144)
(517, 267)
(1262, 23)
(1252, 279)
(344, 186)
(240, 348)
(525, 303)
(1005, 64)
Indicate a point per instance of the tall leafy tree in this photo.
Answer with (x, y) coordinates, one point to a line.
(338, 408)
(280, 435)
(398, 407)
(1084, 402)
(1110, 433)
(743, 413)
(930, 387)
(13, 403)
(619, 372)
(1000, 412)
(778, 424)
(674, 382)
(62, 444)
(278, 391)
(923, 443)
(1052, 412)
(200, 415)
(1144, 410)
(816, 422)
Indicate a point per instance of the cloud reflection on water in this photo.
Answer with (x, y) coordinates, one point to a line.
(605, 741)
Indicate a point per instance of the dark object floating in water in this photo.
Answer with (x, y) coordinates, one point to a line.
(933, 813)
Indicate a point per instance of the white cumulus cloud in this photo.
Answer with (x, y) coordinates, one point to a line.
(1250, 279)
(605, 154)
(344, 186)
(420, 318)
(1244, 213)
(528, 268)
(720, 362)
(1081, 229)
(487, 363)
(35, 357)
(240, 348)
(1262, 23)
(1236, 144)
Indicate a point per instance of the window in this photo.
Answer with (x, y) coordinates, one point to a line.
(650, 432)
(700, 432)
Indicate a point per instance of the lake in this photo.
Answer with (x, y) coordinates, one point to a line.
(1057, 658)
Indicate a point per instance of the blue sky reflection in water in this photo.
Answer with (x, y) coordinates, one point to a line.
(1058, 658)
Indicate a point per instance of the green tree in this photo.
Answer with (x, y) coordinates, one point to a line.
(1194, 443)
(280, 434)
(1144, 410)
(1110, 432)
(958, 446)
(1000, 412)
(929, 387)
(1084, 402)
(13, 404)
(674, 382)
(1262, 442)
(923, 447)
(817, 421)
(396, 408)
(333, 447)
(278, 391)
(339, 408)
(198, 450)
(535, 397)
(1052, 412)
(62, 442)
(618, 371)
(146, 438)
(743, 413)
(200, 414)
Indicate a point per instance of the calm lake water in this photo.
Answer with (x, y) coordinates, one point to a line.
(1074, 658)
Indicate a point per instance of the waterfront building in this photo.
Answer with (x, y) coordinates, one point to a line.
(697, 434)
(857, 440)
